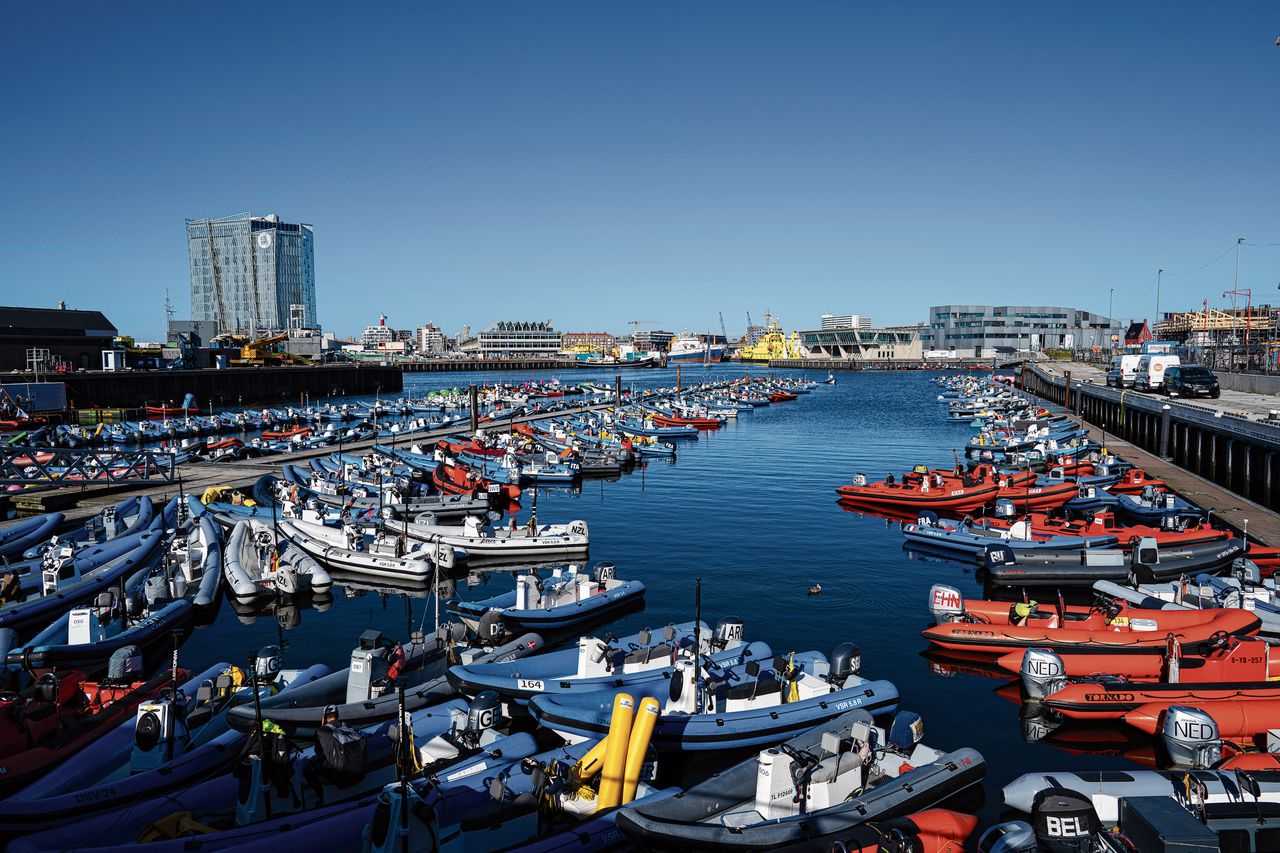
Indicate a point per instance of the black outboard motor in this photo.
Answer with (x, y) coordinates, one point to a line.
(1042, 673)
(846, 660)
(1191, 737)
(605, 572)
(1065, 822)
(268, 663)
(491, 628)
(729, 630)
(483, 713)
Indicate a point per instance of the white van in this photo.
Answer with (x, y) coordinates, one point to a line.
(1150, 371)
(1123, 370)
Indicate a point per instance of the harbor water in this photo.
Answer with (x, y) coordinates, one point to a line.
(751, 510)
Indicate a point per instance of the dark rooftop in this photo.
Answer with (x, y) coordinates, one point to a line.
(53, 322)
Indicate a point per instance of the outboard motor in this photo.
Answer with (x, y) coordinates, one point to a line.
(268, 663)
(1005, 508)
(859, 479)
(998, 555)
(1042, 673)
(1191, 737)
(946, 604)
(159, 734)
(484, 712)
(1015, 836)
(846, 660)
(491, 627)
(1065, 822)
(604, 573)
(728, 633)
(907, 731)
(927, 518)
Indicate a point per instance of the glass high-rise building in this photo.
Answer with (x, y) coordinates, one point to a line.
(248, 272)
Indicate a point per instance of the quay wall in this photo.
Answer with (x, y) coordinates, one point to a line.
(866, 364)
(230, 387)
(1253, 383)
(1236, 453)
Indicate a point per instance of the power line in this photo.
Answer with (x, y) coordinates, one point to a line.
(1229, 250)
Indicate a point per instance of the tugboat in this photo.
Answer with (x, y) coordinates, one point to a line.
(773, 344)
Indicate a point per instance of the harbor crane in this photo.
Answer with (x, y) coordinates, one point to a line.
(723, 332)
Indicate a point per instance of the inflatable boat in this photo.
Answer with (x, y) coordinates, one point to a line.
(568, 599)
(617, 663)
(730, 706)
(998, 627)
(261, 562)
(809, 792)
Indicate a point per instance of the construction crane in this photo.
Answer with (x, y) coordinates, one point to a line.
(723, 332)
(217, 277)
(258, 352)
(638, 323)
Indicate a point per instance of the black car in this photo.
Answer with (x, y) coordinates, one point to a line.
(1190, 380)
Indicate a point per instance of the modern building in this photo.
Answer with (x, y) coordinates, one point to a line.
(597, 342)
(982, 331)
(652, 340)
(49, 339)
(845, 321)
(248, 271)
(518, 339)
(863, 344)
(377, 334)
(429, 340)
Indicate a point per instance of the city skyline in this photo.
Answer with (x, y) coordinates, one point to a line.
(472, 164)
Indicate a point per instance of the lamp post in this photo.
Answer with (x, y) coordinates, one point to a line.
(1159, 273)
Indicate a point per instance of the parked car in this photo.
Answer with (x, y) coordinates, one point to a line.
(1150, 371)
(1190, 380)
(1123, 370)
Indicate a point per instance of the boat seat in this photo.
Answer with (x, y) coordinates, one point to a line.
(764, 684)
(649, 653)
(835, 765)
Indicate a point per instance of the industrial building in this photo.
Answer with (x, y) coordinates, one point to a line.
(252, 274)
(845, 321)
(596, 342)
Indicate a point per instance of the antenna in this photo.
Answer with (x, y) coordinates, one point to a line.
(169, 311)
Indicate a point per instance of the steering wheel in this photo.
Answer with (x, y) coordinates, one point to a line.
(801, 756)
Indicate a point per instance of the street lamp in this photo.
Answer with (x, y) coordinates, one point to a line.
(1159, 273)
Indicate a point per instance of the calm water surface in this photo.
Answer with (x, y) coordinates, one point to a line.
(751, 510)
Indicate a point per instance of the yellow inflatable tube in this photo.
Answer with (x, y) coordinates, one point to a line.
(641, 732)
(615, 753)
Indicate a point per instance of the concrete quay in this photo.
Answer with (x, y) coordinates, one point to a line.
(1222, 454)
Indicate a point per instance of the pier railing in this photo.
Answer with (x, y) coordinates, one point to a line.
(30, 466)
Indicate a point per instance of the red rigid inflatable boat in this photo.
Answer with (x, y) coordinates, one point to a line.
(456, 480)
(1035, 496)
(1104, 523)
(61, 714)
(1123, 630)
(171, 411)
(936, 490)
(1239, 719)
(1227, 659)
(680, 420)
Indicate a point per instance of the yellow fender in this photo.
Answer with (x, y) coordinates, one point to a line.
(641, 732)
(590, 764)
(615, 753)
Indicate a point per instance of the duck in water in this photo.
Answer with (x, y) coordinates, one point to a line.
(816, 589)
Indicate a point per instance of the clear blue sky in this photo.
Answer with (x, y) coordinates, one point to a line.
(596, 162)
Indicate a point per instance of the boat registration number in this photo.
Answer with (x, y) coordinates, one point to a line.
(529, 684)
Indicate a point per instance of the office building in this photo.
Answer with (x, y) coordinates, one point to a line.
(984, 331)
(247, 273)
(845, 321)
(518, 339)
(862, 344)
